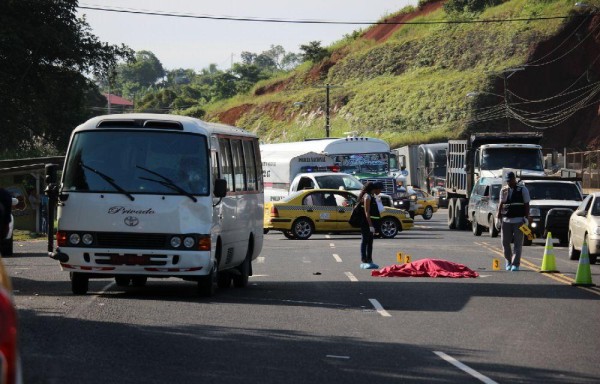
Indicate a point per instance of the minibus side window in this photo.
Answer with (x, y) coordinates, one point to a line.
(250, 160)
(226, 163)
(238, 165)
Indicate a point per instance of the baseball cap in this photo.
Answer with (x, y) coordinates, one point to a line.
(510, 176)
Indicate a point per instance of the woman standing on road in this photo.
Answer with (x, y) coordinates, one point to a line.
(367, 198)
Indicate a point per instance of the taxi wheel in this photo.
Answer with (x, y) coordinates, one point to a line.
(302, 228)
(289, 235)
(389, 228)
(428, 214)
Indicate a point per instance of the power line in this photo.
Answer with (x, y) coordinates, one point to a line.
(307, 21)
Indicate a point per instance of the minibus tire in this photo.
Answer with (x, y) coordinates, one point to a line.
(139, 281)
(79, 283)
(122, 281)
(207, 284)
(241, 280)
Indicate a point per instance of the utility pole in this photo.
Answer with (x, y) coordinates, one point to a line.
(327, 88)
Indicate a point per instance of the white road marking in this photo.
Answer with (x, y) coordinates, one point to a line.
(77, 311)
(328, 236)
(260, 260)
(331, 245)
(465, 368)
(337, 258)
(259, 276)
(379, 308)
(338, 357)
(351, 276)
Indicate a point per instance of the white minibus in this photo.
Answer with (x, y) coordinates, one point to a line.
(146, 195)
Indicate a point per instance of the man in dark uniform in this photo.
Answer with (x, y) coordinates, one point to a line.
(513, 212)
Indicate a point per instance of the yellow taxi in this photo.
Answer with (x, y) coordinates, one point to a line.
(426, 203)
(306, 212)
(10, 367)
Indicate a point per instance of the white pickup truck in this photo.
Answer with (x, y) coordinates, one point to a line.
(331, 180)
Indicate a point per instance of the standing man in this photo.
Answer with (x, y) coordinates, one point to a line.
(513, 212)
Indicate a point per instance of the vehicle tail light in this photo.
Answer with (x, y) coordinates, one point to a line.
(8, 338)
(61, 238)
(334, 168)
(274, 212)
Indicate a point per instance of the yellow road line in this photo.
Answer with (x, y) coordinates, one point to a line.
(529, 265)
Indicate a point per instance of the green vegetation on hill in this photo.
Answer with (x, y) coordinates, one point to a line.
(410, 88)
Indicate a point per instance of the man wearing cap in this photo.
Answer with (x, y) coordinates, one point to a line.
(513, 211)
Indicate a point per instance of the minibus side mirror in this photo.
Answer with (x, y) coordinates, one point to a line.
(220, 189)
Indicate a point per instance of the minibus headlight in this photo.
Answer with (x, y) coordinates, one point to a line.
(87, 239)
(175, 242)
(74, 238)
(188, 242)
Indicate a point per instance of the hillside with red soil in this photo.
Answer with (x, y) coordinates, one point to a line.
(557, 91)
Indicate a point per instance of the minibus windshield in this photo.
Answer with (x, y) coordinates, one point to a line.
(125, 157)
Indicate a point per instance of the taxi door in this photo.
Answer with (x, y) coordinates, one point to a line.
(319, 208)
(345, 203)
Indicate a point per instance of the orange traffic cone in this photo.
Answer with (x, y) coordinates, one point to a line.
(549, 261)
(583, 278)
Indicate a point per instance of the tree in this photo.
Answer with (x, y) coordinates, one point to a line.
(145, 70)
(44, 53)
(313, 52)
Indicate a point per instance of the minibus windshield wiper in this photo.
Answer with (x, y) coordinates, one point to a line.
(109, 180)
(167, 183)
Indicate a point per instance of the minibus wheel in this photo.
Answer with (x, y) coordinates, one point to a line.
(79, 283)
(207, 284)
(122, 281)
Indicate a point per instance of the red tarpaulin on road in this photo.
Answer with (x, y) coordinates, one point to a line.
(426, 268)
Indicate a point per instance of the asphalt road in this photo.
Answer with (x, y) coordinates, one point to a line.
(311, 315)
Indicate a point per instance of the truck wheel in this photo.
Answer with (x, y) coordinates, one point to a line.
(573, 253)
(428, 214)
(451, 208)
(302, 228)
(460, 213)
(389, 228)
(79, 283)
(477, 229)
(493, 231)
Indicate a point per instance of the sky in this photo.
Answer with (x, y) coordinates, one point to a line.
(197, 43)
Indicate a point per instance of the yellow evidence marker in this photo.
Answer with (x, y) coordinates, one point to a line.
(399, 257)
(495, 264)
